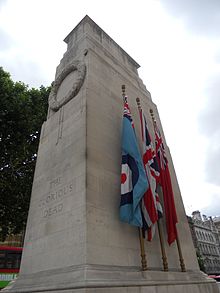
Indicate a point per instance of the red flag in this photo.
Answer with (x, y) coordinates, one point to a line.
(165, 181)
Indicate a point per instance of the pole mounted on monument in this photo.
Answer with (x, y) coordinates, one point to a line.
(143, 255)
(182, 264)
(163, 252)
(164, 257)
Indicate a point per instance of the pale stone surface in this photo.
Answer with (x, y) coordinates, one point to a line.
(74, 240)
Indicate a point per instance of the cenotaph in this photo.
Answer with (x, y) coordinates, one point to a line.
(74, 239)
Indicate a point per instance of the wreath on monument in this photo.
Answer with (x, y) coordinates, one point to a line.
(78, 66)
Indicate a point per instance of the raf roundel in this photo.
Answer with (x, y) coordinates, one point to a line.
(123, 178)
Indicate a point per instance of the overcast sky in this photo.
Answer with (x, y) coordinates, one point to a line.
(177, 44)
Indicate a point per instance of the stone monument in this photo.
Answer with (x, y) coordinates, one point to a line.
(74, 240)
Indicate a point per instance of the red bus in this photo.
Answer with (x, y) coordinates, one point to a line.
(10, 259)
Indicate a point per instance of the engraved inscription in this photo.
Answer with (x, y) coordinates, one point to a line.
(53, 210)
(55, 182)
(53, 202)
(56, 195)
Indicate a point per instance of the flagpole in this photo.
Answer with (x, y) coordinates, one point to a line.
(141, 239)
(182, 264)
(164, 258)
(162, 247)
(181, 260)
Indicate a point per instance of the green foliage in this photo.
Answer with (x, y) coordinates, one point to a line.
(200, 261)
(22, 112)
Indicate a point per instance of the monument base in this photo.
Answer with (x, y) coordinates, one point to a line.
(112, 279)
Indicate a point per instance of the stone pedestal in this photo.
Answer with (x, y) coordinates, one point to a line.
(74, 240)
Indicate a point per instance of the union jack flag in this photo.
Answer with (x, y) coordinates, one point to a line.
(151, 206)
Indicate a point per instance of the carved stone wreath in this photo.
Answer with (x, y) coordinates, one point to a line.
(78, 66)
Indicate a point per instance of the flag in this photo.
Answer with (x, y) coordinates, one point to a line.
(151, 207)
(165, 181)
(133, 177)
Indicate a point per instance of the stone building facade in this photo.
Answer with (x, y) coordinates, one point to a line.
(216, 220)
(206, 238)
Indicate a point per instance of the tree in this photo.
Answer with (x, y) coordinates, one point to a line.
(22, 113)
(200, 261)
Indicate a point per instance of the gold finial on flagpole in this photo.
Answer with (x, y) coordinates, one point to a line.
(123, 88)
(138, 103)
(152, 115)
(123, 91)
